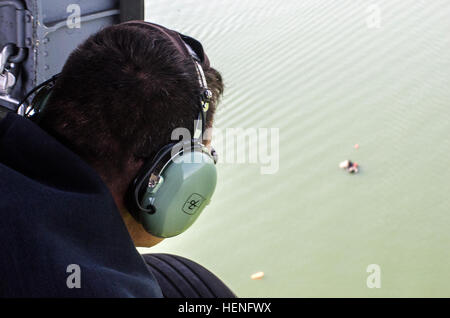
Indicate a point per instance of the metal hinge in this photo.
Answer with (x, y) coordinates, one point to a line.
(8, 73)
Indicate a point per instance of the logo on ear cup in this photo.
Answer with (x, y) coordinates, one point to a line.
(192, 204)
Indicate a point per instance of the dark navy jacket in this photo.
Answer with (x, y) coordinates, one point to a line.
(56, 211)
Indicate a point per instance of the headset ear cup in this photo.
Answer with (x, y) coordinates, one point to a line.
(186, 186)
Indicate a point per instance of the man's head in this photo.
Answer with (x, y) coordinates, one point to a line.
(119, 97)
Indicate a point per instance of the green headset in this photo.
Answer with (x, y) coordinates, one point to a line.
(171, 189)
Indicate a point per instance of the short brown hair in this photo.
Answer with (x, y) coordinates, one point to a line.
(120, 95)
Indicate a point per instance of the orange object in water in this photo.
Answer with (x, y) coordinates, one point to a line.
(356, 146)
(257, 275)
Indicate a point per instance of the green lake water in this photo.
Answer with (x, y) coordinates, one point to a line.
(327, 77)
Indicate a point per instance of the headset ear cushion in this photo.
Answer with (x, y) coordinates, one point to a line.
(186, 186)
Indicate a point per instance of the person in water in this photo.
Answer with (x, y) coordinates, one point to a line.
(119, 96)
(351, 167)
